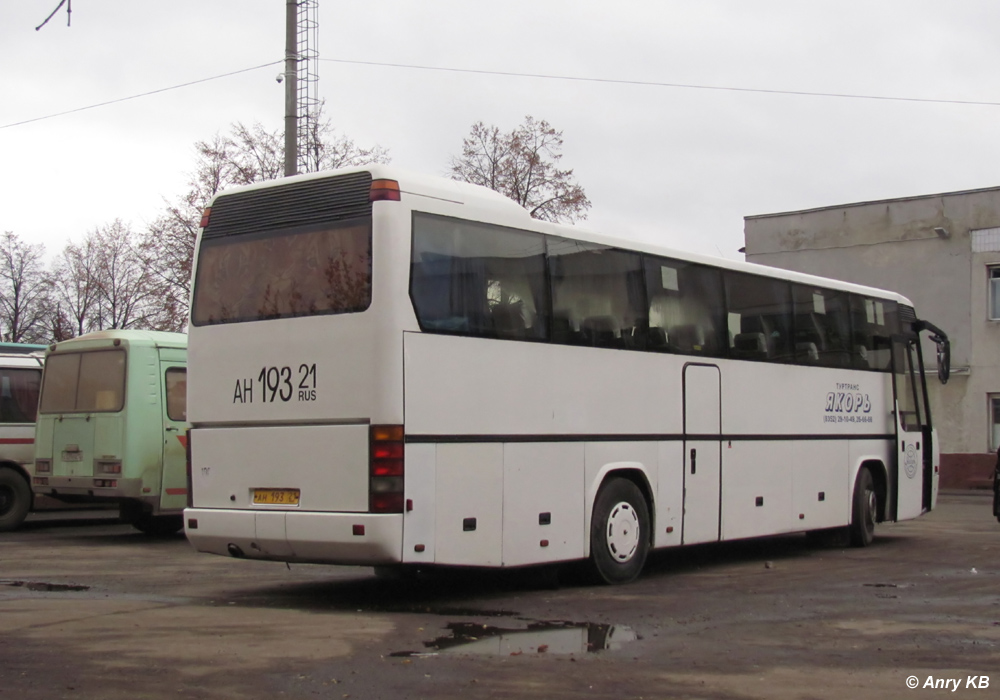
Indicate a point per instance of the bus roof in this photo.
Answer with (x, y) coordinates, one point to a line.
(133, 337)
(482, 201)
(21, 348)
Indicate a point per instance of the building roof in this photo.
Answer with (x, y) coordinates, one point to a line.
(874, 201)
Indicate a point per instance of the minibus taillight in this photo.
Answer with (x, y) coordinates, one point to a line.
(205, 216)
(384, 190)
(385, 491)
(43, 466)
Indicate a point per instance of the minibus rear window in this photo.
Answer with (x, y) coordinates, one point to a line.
(76, 382)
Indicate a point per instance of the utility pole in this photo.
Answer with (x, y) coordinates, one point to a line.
(291, 88)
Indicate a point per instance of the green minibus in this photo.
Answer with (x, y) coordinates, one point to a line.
(112, 425)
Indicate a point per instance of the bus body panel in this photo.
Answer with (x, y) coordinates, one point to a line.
(329, 467)
(461, 386)
(669, 494)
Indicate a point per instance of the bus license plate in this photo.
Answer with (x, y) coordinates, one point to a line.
(276, 497)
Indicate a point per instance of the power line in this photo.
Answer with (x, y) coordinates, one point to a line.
(135, 97)
(689, 86)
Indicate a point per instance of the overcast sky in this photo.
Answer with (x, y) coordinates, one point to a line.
(674, 165)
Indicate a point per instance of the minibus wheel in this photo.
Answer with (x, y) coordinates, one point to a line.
(619, 532)
(15, 499)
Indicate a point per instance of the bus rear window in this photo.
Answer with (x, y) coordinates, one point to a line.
(78, 382)
(282, 274)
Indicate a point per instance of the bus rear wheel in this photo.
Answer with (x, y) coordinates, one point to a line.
(619, 532)
(15, 499)
(864, 510)
(158, 524)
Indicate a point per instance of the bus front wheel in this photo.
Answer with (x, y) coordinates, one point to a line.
(15, 499)
(864, 509)
(619, 532)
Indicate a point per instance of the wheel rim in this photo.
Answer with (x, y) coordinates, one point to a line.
(870, 506)
(623, 532)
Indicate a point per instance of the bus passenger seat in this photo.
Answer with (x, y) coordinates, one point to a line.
(562, 328)
(656, 338)
(750, 346)
(860, 357)
(688, 337)
(600, 331)
(508, 322)
(807, 352)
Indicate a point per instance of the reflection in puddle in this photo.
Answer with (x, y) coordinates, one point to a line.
(536, 638)
(45, 587)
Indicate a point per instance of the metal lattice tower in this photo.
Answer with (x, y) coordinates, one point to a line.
(307, 102)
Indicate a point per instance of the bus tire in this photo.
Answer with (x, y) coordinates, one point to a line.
(15, 499)
(619, 532)
(158, 524)
(864, 509)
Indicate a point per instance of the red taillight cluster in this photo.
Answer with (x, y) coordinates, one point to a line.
(385, 491)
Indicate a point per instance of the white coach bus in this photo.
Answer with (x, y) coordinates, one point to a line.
(395, 369)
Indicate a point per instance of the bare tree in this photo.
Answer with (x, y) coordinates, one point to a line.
(245, 155)
(126, 289)
(24, 291)
(75, 289)
(523, 165)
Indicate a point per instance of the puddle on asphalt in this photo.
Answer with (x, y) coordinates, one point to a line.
(45, 587)
(536, 638)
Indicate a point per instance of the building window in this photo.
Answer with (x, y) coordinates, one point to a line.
(994, 422)
(994, 293)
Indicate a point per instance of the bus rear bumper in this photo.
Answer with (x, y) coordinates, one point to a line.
(317, 538)
(91, 488)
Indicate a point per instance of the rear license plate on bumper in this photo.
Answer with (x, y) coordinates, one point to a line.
(276, 497)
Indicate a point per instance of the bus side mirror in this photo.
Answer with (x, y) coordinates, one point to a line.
(943, 358)
(940, 339)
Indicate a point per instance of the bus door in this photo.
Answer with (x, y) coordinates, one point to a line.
(173, 484)
(702, 453)
(911, 469)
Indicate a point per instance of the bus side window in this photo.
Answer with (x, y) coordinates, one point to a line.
(685, 308)
(19, 395)
(822, 326)
(599, 289)
(763, 305)
(477, 279)
(873, 323)
(176, 383)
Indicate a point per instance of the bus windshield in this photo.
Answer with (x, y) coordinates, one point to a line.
(84, 381)
(285, 273)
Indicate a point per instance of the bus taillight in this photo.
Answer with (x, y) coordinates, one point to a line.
(385, 491)
(187, 460)
(205, 216)
(384, 190)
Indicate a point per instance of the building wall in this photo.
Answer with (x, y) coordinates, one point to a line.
(892, 244)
